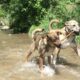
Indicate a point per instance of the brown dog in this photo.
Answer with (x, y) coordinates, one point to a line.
(44, 42)
(69, 32)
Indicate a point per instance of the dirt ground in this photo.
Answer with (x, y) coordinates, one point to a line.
(14, 47)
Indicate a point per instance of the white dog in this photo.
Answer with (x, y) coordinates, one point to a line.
(69, 32)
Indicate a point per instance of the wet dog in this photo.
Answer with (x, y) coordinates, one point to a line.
(69, 33)
(45, 44)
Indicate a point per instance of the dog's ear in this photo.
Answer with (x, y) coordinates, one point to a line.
(66, 23)
(58, 32)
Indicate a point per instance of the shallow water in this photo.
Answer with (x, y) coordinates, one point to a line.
(13, 50)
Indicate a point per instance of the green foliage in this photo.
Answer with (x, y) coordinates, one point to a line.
(2, 12)
(24, 14)
(63, 10)
(78, 39)
(33, 27)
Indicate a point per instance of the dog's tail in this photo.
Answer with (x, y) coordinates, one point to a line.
(51, 22)
(36, 32)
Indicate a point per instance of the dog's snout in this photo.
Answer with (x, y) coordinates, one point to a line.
(57, 43)
(59, 46)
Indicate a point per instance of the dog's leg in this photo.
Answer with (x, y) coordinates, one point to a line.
(41, 62)
(50, 61)
(32, 49)
(75, 48)
(56, 55)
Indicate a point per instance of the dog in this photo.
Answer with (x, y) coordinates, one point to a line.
(44, 42)
(69, 32)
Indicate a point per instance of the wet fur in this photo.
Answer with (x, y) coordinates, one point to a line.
(43, 43)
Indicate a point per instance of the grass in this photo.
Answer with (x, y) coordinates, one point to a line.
(78, 39)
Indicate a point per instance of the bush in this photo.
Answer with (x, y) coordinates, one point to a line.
(24, 14)
(63, 10)
(2, 12)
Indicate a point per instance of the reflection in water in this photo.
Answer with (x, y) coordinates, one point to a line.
(14, 47)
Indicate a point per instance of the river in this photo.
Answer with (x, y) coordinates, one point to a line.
(13, 49)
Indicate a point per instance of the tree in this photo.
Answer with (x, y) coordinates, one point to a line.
(24, 14)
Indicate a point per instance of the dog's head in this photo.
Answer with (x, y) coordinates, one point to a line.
(72, 25)
(53, 38)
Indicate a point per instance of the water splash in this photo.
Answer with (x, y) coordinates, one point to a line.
(48, 71)
(31, 67)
